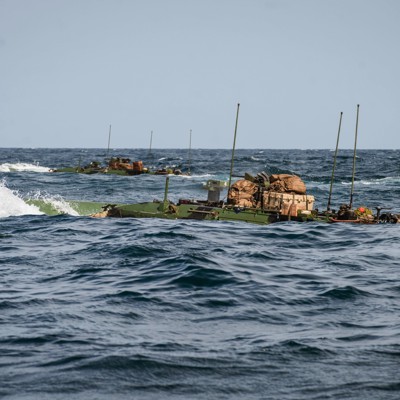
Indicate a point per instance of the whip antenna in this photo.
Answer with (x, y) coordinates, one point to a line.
(334, 164)
(109, 138)
(233, 149)
(190, 150)
(151, 140)
(354, 160)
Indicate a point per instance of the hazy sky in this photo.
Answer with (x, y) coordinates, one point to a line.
(70, 68)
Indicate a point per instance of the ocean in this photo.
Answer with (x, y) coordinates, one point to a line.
(180, 309)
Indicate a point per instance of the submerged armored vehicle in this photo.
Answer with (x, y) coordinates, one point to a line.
(260, 200)
(281, 198)
(249, 200)
(118, 166)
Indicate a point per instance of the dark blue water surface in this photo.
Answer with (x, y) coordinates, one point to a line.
(155, 309)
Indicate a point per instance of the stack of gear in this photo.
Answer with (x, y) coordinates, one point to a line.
(363, 214)
(284, 183)
(137, 166)
(120, 164)
(242, 192)
(283, 193)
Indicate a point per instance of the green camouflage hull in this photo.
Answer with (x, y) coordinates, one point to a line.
(79, 208)
(91, 171)
(165, 210)
(194, 211)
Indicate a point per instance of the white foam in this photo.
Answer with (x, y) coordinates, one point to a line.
(11, 204)
(194, 176)
(385, 181)
(21, 167)
(56, 202)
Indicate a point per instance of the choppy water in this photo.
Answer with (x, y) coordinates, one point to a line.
(150, 309)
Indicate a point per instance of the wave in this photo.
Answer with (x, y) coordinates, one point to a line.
(195, 176)
(345, 293)
(387, 180)
(13, 205)
(51, 202)
(381, 181)
(22, 167)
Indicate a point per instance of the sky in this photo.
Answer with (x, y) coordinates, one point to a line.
(71, 68)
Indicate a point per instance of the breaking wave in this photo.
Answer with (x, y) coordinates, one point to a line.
(54, 201)
(22, 167)
(12, 203)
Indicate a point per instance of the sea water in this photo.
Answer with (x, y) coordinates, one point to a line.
(150, 309)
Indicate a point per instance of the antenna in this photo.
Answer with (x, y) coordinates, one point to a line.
(190, 149)
(334, 163)
(151, 140)
(354, 160)
(233, 149)
(109, 138)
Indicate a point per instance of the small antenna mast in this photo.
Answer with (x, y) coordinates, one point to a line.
(151, 141)
(334, 163)
(354, 160)
(190, 150)
(233, 149)
(109, 138)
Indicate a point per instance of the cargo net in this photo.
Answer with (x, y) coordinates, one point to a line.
(282, 193)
